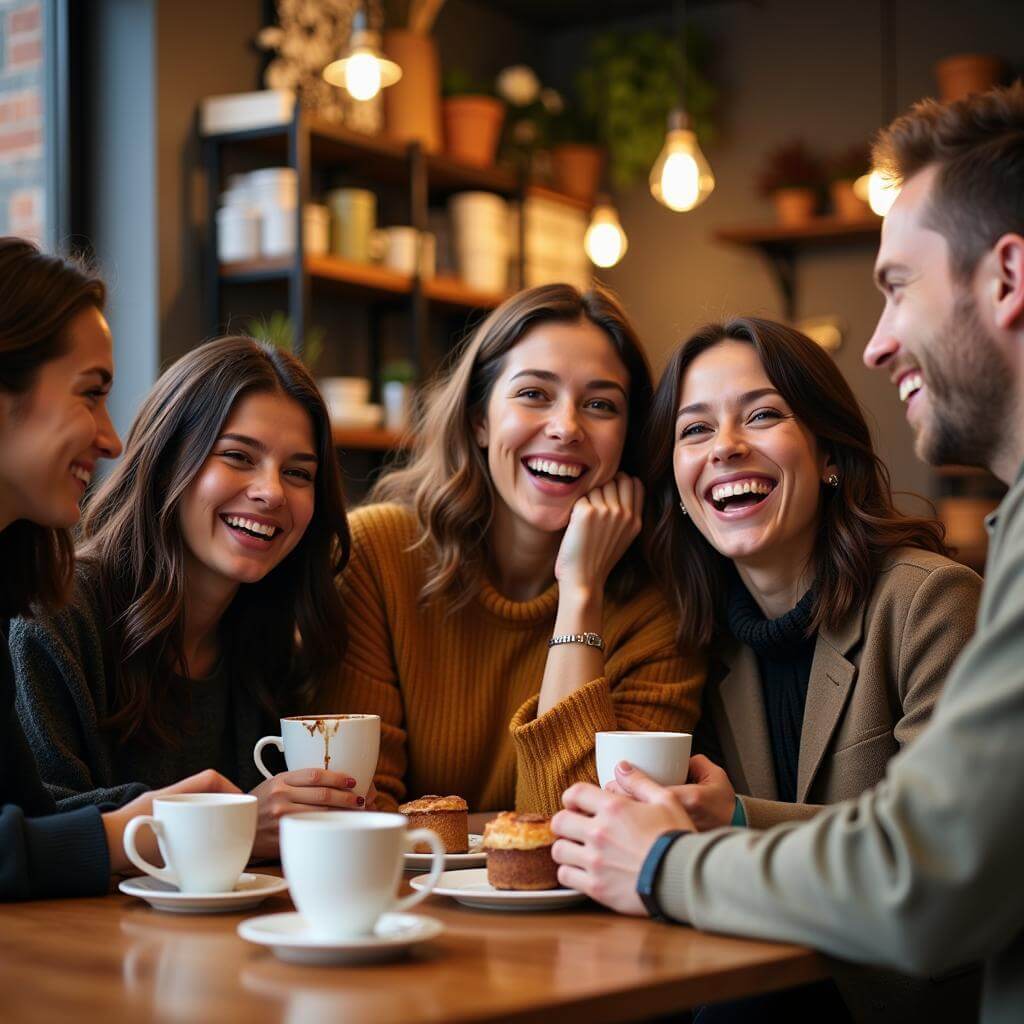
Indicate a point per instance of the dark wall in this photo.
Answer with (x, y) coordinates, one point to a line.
(791, 68)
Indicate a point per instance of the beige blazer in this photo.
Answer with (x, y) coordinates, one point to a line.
(874, 682)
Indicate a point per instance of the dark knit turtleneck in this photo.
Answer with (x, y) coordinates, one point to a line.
(784, 654)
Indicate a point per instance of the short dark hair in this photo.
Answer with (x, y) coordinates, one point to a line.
(977, 144)
(40, 294)
(859, 521)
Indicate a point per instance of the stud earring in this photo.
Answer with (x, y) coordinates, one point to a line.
(832, 480)
(682, 508)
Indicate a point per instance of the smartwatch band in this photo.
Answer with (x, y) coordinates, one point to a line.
(647, 882)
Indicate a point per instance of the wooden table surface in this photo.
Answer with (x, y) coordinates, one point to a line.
(116, 960)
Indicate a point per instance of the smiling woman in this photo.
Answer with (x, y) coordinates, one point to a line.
(500, 612)
(213, 545)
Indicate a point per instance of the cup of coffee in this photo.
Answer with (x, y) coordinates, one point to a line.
(205, 839)
(343, 870)
(664, 756)
(340, 743)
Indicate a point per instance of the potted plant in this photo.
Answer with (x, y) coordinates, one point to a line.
(577, 156)
(472, 119)
(843, 170)
(531, 113)
(396, 389)
(279, 331)
(629, 84)
(792, 178)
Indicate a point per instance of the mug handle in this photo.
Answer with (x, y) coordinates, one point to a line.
(166, 874)
(437, 852)
(257, 753)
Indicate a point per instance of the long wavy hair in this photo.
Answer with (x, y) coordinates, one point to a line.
(40, 295)
(447, 483)
(859, 523)
(280, 636)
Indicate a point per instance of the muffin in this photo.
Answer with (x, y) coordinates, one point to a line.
(519, 852)
(448, 816)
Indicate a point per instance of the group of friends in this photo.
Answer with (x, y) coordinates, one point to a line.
(567, 549)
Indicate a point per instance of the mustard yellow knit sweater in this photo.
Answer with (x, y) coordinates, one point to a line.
(457, 691)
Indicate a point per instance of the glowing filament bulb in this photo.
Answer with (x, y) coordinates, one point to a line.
(605, 242)
(681, 178)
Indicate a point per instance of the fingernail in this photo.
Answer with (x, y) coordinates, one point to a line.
(350, 783)
(625, 767)
(360, 801)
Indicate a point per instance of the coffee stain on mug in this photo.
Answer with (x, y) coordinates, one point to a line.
(327, 728)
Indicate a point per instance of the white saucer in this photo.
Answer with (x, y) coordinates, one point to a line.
(476, 856)
(250, 891)
(289, 938)
(472, 889)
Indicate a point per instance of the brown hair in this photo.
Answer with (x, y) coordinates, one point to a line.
(859, 522)
(131, 539)
(977, 143)
(447, 482)
(39, 297)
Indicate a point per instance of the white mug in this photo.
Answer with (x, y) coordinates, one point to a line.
(343, 869)
(205, 839)
(664, 756)
(340, 743)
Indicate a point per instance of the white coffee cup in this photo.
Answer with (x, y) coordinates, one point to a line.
(343, 869)
(664, 756)
(205, 839)
(342, 743)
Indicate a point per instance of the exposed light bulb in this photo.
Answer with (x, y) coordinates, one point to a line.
(681, 177)
(362, 75)
(878, 190)
(605, 242)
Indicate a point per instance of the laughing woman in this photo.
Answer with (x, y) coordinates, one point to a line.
(833, 619)
(214, 544)
(498, 614)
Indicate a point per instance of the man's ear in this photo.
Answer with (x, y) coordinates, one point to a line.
(1007, 292)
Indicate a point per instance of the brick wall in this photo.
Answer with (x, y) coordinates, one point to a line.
(22, 168)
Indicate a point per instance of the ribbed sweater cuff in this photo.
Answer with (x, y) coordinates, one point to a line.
(67, 854)
(550, 749)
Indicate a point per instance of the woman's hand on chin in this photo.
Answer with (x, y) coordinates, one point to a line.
(306, 789)
(602, 526)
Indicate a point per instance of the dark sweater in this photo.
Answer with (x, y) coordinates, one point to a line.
(784, 655)
(65, 694)
(41, 853)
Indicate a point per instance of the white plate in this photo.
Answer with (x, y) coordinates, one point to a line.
(476, 856)
(290, 940)
(250, 891)
(472, 889)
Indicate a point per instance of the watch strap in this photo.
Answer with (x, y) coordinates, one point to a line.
(647, 882)
(588, 639)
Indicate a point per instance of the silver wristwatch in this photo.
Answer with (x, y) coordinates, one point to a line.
(590, 639)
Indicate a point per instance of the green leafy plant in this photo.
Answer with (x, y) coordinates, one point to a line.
(629, 85)
(279, 331)
(790, 166)
(850, 163)
(400, 370)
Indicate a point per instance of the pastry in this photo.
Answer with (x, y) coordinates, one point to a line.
(519, 852)
(448, 816)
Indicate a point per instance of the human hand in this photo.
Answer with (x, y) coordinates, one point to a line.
(602, 525)
(305, 789)
(708, 796)
(115, 822)
(605, 837)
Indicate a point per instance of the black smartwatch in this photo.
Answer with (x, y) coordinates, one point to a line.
(647, 883)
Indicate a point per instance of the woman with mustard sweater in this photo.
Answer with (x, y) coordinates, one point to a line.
(499, 615)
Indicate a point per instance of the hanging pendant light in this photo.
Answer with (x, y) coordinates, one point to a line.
(681, 178)
(878, 190)
(363, 70)
(605, 242)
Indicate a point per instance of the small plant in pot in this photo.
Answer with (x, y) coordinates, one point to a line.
(792, 178)
(577, 155)
(279, 331)
(843, 170)
(473, 117)
(396, 389)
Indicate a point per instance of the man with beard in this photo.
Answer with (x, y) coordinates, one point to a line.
(922, 873)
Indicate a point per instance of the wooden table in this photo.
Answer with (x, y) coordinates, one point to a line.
(116, 960)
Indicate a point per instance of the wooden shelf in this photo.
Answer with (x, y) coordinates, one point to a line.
(453, 291)
(368, 439)
(957, 472)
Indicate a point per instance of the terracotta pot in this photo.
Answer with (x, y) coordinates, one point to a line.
(794, 206)
(846, 204)
(577, 170)
(472, 127)
(412, 106)
(966, 73)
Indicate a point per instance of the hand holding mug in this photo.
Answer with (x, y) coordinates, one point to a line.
(602, 525)
(708, 797)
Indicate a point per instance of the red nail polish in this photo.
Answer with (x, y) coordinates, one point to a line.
(360, 801)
